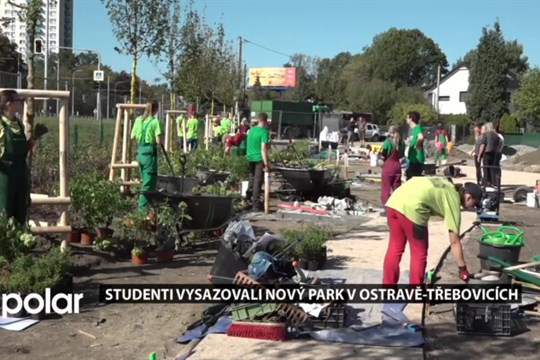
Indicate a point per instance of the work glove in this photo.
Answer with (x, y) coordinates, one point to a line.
(464, 273)
(40, 130)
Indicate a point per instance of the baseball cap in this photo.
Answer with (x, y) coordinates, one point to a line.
(475, 191)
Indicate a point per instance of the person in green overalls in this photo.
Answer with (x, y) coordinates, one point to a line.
(14, 148)
(179, 130)
(192, 135)
(147, 132)
(441, 142)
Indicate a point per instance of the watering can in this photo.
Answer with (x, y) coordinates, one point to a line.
(503, 236)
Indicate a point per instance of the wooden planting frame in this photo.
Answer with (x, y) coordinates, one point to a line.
(64, 199)
(170, 129)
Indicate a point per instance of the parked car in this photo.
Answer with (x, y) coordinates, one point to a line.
(373, 133)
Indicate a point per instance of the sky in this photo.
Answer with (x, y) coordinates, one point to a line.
(323, 28)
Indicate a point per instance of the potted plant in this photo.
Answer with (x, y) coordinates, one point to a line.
(168, 220)
(81, 208)
(138, 231)
(310, 251)
(107, 202)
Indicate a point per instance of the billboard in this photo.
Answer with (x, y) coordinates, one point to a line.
(273, 77)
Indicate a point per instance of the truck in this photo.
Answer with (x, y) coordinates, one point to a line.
(287, 119)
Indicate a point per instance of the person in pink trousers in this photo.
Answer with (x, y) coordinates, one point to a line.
(393, 150)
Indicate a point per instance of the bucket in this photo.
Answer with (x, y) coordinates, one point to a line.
(531, 200)
(374, 160)
(505, 243)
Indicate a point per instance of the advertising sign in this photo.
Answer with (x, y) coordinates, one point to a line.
(273, 77)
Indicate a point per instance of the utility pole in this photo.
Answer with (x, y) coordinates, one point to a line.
(108, 94)
(45, 102)
(438, 88)
(58, 82)
(19, 77)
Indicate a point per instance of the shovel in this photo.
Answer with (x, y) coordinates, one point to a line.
(168, 160)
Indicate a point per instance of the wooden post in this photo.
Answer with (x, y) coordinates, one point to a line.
(184, 140)
(266, 192)
(125, 141)
(207, 131)
(329, 153)
(167, 131)
(345, 166)
(64, 165)
(337, 158)
(115, 141)
(128, 155)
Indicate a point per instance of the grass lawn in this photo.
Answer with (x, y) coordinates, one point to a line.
(87, 129)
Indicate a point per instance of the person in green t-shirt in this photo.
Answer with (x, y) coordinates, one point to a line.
(257, 156)
(180, 124)
(147, 132)
(226, 124)
(415, 146)
(408, 212)
(192, 133)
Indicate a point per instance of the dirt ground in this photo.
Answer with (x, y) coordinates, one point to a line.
(443, 342)
(134, 331)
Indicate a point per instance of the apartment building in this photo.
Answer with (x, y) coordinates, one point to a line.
(60, 24)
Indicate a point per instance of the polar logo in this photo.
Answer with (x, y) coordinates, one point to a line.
(60, 304)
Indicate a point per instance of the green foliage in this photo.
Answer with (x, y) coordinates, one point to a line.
(102, 244)
(330, 85)
(96, 200)
(15, 239)
(509, 123)
(454, 119)
(312, 239)
(375, 96)
(513, 56)
(527, 100)
(486, 99)
(405, 57)
(140, 28)
(28, 274)
(291, 154)
(10, 61)
(398, 114)
(169, 219)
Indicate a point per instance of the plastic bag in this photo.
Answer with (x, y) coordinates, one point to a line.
(236, 229)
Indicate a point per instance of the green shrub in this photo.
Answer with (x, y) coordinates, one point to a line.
(312, 239)
(509, 124)
(15, 239)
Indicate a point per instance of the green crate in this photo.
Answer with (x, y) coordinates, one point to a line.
(251, 311)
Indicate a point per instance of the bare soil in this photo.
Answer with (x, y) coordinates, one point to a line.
(442, 339)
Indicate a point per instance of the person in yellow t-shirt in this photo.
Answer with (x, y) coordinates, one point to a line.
(180, 123)
(192, 132)
(408, 211)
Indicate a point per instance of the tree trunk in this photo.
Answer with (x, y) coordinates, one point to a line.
(133, 78)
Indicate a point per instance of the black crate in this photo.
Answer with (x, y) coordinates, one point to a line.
(483, 319)
(333, 317)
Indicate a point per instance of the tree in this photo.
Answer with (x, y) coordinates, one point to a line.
(10, 59)
(509, 123)
(399, 112)
(513, 55)
(32, 13)
(306, 68)
(405, 58)
(486, 101)
(527, 100)
(140, 28)
(376, 97)
(172, 47)
(330, 84)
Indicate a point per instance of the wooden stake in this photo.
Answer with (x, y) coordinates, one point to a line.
(345, 166)
(115, 141)
(125, 140)
(184, 140)
(167, 132)
(64, 170)
(266, 192)
(207, 130)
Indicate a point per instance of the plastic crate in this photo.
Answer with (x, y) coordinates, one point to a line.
(333, 317)
(483, 319)
(251, 311)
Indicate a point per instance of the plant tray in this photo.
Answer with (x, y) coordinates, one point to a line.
(483, 319)
(333, 317)
(252, 311)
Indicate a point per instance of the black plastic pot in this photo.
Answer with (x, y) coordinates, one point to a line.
(226, 265)
(206, 211)
(509, 254)
(11, 303)
(173, 184)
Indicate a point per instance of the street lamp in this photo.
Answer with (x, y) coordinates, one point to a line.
(73, 92)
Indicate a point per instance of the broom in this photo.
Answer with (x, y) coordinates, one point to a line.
(258, 330)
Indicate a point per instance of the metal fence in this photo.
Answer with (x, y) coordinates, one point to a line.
(9, 80)
(530, 139)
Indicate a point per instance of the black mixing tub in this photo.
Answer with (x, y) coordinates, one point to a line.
(307, 183)
(176, 184)
(207, 212)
